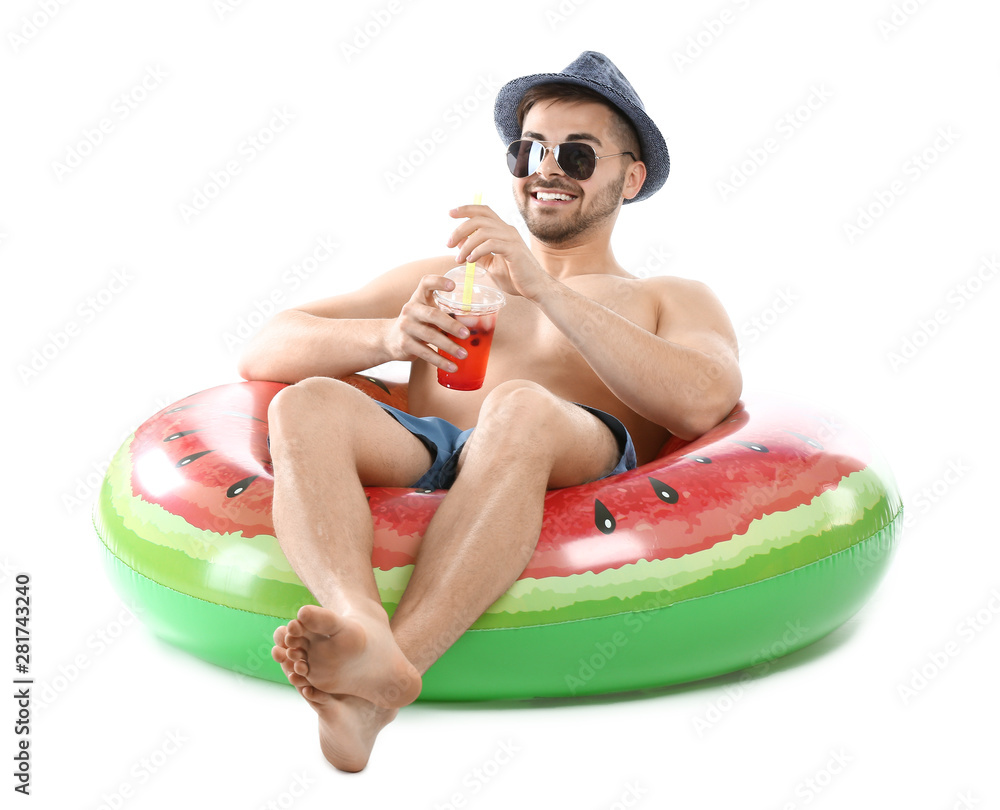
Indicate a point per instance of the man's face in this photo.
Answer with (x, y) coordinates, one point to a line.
(593, 202)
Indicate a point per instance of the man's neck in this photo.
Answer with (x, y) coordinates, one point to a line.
(585, 257)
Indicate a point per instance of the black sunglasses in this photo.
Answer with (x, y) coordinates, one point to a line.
(578, 160)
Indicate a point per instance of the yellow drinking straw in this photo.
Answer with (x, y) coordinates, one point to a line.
(470, 267)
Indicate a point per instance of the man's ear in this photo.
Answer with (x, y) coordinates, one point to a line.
(634, 179)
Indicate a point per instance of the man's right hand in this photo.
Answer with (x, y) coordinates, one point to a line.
(421, 322)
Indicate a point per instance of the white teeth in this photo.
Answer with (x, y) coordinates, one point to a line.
(545, 195)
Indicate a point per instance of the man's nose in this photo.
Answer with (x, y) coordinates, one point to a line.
(548, 166)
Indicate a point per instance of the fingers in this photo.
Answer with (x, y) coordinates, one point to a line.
(429, 327)
(478, 217)
(428, 284)
(422, 324)
(475, 252)
(425, 319)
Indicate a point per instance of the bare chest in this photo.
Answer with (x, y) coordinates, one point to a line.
(528, 346)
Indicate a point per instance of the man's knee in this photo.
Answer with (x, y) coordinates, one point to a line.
(521, 408)
(294, 405)
(519, 420)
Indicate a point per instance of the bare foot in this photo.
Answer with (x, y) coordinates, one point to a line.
(352, 654)
(348, 725)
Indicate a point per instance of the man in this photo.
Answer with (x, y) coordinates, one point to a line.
(591, 369)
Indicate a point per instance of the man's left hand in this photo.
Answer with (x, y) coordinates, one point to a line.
(499, 249)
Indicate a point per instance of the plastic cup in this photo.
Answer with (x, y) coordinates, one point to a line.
(479, 316)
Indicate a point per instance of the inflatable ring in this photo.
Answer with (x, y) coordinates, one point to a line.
(758, 538)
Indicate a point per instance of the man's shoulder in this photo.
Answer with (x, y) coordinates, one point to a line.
(677, 292)
(667, 289)
(675, 284)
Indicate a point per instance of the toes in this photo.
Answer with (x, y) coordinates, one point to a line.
(314, 695)
(295, 637)
(319, 620)
(279, 636)
(297, 680)
(294, 678)
(279, 654)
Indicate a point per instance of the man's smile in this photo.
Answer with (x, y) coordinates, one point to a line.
(552, 197)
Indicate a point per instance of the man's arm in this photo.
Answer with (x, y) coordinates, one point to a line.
(391, 318)
(685, 376)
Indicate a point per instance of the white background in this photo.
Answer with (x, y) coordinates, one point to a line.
(827, 727)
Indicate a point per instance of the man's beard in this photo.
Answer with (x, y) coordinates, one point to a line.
(558, 230)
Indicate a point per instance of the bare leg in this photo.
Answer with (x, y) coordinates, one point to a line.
(485, 530)
(327, 438)
(342, 657)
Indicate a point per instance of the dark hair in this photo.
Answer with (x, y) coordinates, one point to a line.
(622, 128)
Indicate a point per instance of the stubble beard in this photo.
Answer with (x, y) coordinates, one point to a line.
(557, 230)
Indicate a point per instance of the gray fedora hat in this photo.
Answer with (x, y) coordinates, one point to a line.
(594, 70)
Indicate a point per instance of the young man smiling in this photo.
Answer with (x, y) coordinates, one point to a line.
(591, 369)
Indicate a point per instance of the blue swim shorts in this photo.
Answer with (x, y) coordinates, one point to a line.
(445, 441)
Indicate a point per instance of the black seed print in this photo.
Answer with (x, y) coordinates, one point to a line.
(603, 519)
(173, 436)
(240, 487)
(665, 493)
(244, 415)
(184, 407)
(193, 457)
(806, 439)
(379, 383)
(753, 446)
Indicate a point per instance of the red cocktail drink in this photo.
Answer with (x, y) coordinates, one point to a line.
(479, 316)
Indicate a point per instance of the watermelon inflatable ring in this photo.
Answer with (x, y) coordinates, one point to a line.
(756, 539)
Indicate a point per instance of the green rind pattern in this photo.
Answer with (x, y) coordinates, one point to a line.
(698, 638)
(203, 563)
